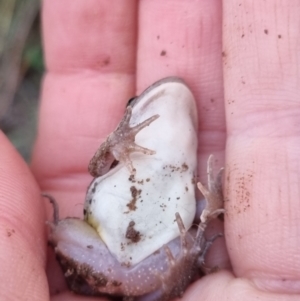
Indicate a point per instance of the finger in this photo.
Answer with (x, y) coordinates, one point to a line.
(90, 58)
(261, 62)
(186, 42)
(22, 226)
(69, 296)
(223, 286)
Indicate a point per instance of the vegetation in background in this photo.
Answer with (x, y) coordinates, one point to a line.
(21, 69)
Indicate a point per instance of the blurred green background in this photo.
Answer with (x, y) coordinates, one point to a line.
(21, 70)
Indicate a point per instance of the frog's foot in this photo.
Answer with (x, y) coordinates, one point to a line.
(213, 195)
(118, 146)
(183, 268)
(201, 258)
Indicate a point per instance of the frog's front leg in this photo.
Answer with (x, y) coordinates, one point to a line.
(118, 146)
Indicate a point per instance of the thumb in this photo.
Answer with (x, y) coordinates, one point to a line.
(22, 228)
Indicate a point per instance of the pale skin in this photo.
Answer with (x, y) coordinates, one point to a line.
(96, 63)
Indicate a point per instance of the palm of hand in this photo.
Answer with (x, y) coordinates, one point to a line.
(97, 63)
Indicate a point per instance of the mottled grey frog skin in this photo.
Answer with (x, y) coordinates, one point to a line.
(91, 269)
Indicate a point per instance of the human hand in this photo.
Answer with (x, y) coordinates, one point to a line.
(98, 55)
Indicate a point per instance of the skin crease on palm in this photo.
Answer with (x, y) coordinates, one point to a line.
(98, 55)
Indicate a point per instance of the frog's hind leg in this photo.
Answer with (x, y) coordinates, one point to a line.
(181, 269)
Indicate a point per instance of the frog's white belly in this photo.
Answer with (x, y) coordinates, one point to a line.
(136, 216)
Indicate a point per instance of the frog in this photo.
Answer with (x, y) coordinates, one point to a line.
(137, 239)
